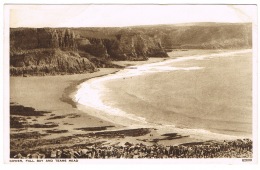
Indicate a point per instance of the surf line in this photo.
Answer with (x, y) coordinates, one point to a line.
(89, 94)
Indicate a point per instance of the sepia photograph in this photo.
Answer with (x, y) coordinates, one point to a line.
(131, 81)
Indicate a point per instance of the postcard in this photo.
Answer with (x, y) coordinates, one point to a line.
(130, 82)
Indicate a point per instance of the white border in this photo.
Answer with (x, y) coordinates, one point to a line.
(139, 163)
(255, 91)
(6, 81)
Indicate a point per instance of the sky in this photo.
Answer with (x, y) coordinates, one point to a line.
(125, 15)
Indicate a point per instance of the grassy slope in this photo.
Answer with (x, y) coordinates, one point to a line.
(193, 35)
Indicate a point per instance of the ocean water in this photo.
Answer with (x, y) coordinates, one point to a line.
(204, 95)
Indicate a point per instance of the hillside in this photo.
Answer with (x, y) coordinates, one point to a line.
(202, 35)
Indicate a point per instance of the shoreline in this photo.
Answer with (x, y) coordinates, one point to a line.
(70, 91)
(166, 60)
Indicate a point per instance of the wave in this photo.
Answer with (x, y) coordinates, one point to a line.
(89, 95)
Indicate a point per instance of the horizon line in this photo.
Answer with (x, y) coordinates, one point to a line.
(175, 24)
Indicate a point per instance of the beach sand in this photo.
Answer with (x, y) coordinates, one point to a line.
(51, 93)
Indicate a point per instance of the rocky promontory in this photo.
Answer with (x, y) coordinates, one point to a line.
(50, 51)
(125, 47)
(45, 51)
(48, 62)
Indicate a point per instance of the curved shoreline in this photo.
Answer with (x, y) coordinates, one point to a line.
(70, 91)
(142, 123)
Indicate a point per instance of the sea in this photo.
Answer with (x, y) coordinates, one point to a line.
(206, 96)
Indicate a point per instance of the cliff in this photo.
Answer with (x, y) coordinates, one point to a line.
(48, 62)
(33, 38)
(51, 51)
(134, 46)
(124, 46)
(45, 51)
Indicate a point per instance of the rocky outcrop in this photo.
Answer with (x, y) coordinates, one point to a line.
(33, 38)
(45, 51)
(135, 47)
(125, 46)
(96, 47)
(48, 62)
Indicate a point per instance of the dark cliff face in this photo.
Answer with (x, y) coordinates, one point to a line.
(33, 38)
(135, 46)
(96, 47)
(45, 51)
(49, 62)
(125, 46)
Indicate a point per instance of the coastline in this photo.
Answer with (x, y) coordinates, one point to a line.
(70, 91)
(95, 129)
(99, 85)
